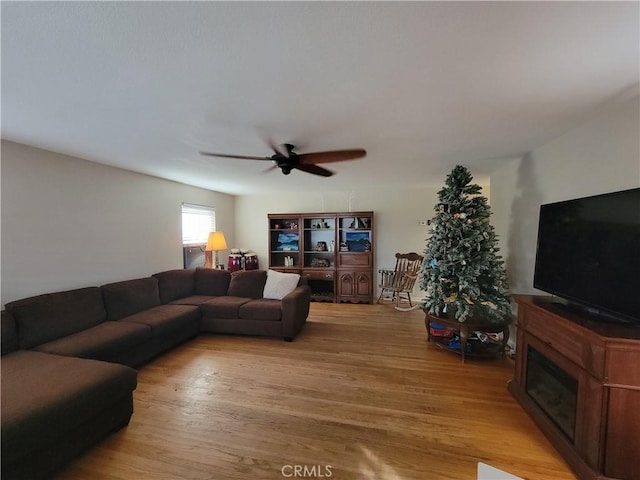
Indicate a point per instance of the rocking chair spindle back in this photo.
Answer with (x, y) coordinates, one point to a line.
(399, 282)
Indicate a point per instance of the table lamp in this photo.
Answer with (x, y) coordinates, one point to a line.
(215, 243)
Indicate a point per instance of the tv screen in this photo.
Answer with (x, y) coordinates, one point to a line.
(588, 253)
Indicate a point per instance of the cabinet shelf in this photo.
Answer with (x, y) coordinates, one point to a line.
(467, 345)
(475, 349)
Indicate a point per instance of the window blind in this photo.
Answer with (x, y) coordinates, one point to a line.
(197, 222)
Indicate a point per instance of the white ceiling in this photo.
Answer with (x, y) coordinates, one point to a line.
(422, 86)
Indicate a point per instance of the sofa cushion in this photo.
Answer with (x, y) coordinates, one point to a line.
(261, 309)
(46, 317)
(192, 300)
(131, 296)
(166, 319)
(175, 284)
(9, 333)
(249, 283)
(212, 282)
(223, 307)
(279, 284)
(44, 396)
(106, 341)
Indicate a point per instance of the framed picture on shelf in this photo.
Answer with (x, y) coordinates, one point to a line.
(358, 241)
(287, 242)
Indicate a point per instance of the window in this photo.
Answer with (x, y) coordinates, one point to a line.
(197, 222)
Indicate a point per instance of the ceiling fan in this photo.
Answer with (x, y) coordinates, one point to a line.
(286, 159)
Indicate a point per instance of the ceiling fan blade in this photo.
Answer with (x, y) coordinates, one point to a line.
(314, 169)
(242, 157)
(267, 170)
(278, 149)
(333, 156)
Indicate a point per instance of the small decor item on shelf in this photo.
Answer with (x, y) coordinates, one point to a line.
(321, 246)
(332, 246)
(320, 224)
(320, 262)
(462, 274)
(344, 247)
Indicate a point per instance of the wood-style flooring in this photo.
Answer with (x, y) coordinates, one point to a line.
(359, 394)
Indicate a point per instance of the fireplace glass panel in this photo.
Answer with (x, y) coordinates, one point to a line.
(553, 389)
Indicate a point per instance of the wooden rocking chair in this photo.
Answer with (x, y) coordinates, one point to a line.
(398, 283)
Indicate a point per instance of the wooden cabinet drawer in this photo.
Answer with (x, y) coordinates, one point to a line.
(579, 346)
(319, 274)
(353, 259)
(556, 334)
(286, 270)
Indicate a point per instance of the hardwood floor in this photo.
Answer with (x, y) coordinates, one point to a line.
(360, 394)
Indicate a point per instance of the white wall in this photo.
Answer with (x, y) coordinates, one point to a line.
(69, 223)
(396, 222)
(598, 156)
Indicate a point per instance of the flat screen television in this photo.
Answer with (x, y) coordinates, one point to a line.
(588, 254)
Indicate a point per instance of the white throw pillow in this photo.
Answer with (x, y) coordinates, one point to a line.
(279, 284)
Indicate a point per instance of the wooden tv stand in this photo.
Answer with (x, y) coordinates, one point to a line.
(601, 362)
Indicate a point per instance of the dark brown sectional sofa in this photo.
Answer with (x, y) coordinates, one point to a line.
(67, 357)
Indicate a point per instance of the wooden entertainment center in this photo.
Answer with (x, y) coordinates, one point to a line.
(579, 379)
(334, 251)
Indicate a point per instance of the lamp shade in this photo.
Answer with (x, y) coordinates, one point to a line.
(216, 242)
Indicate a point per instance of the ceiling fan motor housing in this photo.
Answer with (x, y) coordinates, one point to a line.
(307, 162)
(286, 164)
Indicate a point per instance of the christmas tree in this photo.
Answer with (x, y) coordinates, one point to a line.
(462, 273)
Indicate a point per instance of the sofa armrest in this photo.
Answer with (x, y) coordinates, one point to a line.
(295, 310)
